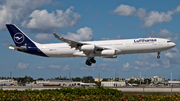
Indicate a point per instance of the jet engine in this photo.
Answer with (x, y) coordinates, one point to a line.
(87, 48)
(108, 52)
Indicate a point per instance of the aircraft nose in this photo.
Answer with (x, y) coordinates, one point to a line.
(173, 44)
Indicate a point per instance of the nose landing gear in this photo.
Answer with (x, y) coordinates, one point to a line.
(158, 55)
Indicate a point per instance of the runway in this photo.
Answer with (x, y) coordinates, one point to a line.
(123, 89)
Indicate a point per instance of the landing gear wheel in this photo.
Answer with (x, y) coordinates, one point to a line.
(158, 55)
(88, 63)
(92, 60)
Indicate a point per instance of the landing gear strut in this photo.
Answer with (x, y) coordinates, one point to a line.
(158, 55)
(89, 61)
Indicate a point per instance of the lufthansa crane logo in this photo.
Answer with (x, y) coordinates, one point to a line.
(18, 38)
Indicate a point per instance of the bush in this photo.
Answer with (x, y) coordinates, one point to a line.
(80, 94)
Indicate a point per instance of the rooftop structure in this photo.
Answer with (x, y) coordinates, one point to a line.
(7, 82)
(154, 79)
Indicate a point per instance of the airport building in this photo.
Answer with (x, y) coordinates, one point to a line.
(113, 83)
(177, 83)
(98, 79)
(111, 79)
(154, 79)
(57, 83)
(8, 82)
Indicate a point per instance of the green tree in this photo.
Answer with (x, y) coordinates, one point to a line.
(77, 79)
(147, 81)
(40, 79)
(88, 79)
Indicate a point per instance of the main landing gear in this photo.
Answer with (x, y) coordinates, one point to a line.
(89, 61)
(158, 55)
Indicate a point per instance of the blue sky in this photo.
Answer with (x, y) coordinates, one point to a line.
(84, 20)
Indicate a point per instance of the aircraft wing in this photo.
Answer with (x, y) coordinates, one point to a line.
(76, 44)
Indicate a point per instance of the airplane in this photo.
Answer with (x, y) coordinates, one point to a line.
(89, 49)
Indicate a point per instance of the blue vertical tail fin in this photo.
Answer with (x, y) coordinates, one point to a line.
(127, 84)
(19, 38)
(23, 42)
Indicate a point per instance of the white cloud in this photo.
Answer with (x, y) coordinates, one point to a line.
(22, 66)
(149, 19)
(124, 10)
(103, 67)
(173, 55)
(58, 67)
(166, 64)
(13, 11)
(178, 9)
(110, 25)
(164, 33)
(66, 68)
(126, 67)
(86, 69)
(108, 69)
(44, 37)
(26, 12)
(55, 66)
(143, 65)
(155, 17)
(42, 19)
(147, 56)
(141, 13)
(148, 61)
(117, 37)
(83, 34)
(100, 65)
(110, 60)
(169, 59)
(40, 67)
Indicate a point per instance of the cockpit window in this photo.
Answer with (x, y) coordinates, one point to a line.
(169, 41)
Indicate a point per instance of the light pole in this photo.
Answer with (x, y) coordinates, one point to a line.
(140, 78)
(171, 83)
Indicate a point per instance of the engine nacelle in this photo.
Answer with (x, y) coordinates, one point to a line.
(87, 48)
(108, 52)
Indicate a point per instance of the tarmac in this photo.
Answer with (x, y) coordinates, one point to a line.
(151, 89)
(123, 89)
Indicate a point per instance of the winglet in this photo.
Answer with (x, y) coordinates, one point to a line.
(56, 36)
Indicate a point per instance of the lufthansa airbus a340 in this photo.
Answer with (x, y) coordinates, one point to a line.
(89, 49)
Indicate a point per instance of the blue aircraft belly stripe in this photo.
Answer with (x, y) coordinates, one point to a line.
(35, 51)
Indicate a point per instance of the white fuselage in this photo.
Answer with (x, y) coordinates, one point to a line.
(89, 49)
(124, 46)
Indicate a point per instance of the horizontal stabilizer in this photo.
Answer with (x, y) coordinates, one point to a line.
(22, 48)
